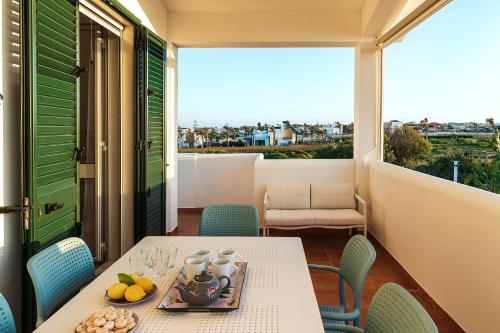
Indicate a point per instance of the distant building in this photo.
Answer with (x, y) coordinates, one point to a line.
(393, 125)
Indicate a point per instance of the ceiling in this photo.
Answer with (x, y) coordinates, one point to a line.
(263, 5)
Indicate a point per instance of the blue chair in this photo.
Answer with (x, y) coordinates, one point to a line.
(6, 319)
(357, 259)
(229, 220)
(58, 273)
(392, 310)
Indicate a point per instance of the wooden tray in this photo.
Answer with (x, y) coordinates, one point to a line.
(228, 301)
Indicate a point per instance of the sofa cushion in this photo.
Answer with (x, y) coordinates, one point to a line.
(290, 218)
(289, 195)
(310, 217)
(332, 196)
(337, 217)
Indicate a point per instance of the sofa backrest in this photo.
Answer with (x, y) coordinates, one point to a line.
(332, 196)
(289, 195)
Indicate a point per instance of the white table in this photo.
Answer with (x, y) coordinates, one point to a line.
(278, 296)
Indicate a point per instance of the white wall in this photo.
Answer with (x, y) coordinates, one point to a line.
(263, 27)
(446, 235)
(241, 178)
(152, 13)
(216, 178)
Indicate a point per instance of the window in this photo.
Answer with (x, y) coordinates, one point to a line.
(282, 102)
(441, 106)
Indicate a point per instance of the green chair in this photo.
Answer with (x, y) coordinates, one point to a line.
(229, 220)
(6, 319)
(392, 310)
(58, 273)
(357, 259)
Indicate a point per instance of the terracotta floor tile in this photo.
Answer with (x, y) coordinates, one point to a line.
(324, 247)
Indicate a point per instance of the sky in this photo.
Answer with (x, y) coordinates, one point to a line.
(447, 69)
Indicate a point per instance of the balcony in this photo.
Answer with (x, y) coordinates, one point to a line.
(431, 235)
(439, 240)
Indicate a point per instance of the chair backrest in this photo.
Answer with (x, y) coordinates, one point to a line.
(6, 319)
(357, 259)
(395, 310)
(229, 220)
(58, 273)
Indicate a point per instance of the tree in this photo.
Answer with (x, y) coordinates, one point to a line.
(226, 130)
(286, 124)
(407, 145)
(339, 126)
(485, 175)
(425, 125)
(491, 122)
(476, 127)
(259, 126)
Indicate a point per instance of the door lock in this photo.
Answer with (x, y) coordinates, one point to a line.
(52, 207)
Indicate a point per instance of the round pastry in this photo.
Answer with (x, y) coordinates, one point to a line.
(121, 323)
(81, 329)
(110, 308)
(98, 322)
(110, 325)
(102, 330)
(120, 312)
(92, 329)
(128, 314)
(131, 325)
(111, 315)
(130, 320)
(99, 314)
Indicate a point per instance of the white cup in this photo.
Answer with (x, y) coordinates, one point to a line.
(223, 267)
(193, 266)
(229, 254)
(203, 254)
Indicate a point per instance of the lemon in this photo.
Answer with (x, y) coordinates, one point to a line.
(145, 283)
(117, 291)
(134, 293)
(134, 277)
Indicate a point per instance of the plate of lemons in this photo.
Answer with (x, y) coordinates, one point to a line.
(130, 290)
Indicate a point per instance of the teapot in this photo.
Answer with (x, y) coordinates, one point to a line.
(204, 289)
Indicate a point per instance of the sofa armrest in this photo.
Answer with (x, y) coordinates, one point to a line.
(266, 201)
(362, 203)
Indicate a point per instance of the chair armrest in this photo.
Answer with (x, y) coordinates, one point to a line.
(342, 316)
(361, 202)
(342, 328)
(324, 268)
(266, 201)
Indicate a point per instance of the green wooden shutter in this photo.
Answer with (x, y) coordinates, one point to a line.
(151, 136)
(51, 123)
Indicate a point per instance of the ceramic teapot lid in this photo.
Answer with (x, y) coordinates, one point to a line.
(204, 277)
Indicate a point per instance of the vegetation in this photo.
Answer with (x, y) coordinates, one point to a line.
(336, 150)
(478, 157)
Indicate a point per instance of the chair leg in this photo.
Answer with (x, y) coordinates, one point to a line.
(350, 232)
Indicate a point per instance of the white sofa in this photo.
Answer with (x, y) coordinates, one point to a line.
(316, 205)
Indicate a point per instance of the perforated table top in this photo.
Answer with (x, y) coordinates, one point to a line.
(278, 296)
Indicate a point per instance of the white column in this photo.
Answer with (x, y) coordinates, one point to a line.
(367, 114)
(171, 128)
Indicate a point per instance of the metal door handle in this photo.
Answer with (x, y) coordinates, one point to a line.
(52, 207)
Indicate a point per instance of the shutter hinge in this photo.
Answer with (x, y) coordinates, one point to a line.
(141, 145)
(78, 71)
(26, 213)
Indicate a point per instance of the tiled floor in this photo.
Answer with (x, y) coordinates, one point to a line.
(325, 247)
